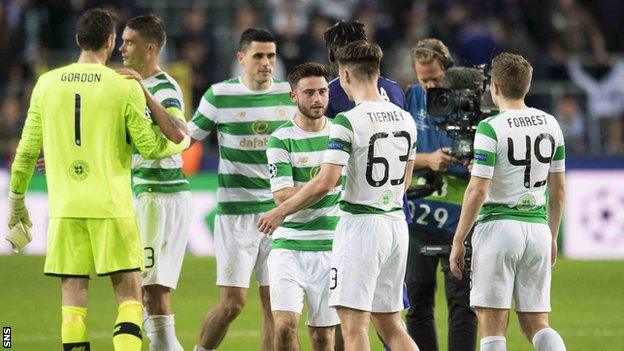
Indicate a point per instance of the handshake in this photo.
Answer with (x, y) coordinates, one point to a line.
(19, 222)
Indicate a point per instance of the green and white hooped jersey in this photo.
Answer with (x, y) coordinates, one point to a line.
(374, 140)
(517, 149)
(295, 157)
(243, 119)
(162, 175)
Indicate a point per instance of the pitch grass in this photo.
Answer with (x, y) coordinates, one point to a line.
(588, 305)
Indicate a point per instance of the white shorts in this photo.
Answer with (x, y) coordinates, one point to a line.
(368, 263)
(163, 220)
(511, 260)
(239, 249)
(295, 274)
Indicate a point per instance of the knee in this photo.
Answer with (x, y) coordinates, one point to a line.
(354, 331)
(232, 307)
(285, 330)
(321, 338)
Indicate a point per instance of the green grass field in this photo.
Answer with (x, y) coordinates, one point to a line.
(588, 305)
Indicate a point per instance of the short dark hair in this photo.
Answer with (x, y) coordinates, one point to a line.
(305, 70)
(341, 34)
(512, 73)
(254, 34)
(149, 27)
(362, 57)
(94, 27)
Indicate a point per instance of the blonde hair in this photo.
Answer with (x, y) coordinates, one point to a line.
(426, 50)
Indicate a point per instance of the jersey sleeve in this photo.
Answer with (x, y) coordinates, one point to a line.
(149, 144)
(171, 100)
(485, 145)
(29, 145)
(280, 167)
(340, 141)
(205, 119)
(557, 164)
(412, 153)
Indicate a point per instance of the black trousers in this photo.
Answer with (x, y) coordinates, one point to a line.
(420, 278)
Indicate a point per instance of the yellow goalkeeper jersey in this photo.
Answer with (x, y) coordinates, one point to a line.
(85, 116)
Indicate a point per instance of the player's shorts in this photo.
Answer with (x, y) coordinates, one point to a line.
(295, 274)
(164, 221)
(240, 248)
(80, 246)
(368, 263)
(511, 260)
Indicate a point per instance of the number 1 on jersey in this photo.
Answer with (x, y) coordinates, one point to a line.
(77, 138)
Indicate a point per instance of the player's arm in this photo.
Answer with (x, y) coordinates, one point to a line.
(149, 144)
(336, 156)
(409, 168)
(204, 120)
(22, 169)
(555, 183)
(313, 191)
(281, 170)
(168, 115)
(485, 146)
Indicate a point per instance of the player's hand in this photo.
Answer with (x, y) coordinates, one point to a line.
(130, 73)
(270, 221)
(19, 236)
(41, 164)
(553, 253)
(17, 211)
(456, 259)
(441, 160)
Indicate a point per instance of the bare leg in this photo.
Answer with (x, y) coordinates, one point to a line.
(354, 325)
(393, 331)
(157, 300)
(286, 338)
(267, 319)
(218, 319)
(322, 338)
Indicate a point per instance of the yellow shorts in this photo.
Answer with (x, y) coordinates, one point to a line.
(81, 246)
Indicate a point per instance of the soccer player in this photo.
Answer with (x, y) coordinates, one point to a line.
(375, 141)
(435, 217)
(244, 111)
(299, 262)
(519, 156)
(85, 115)
(164, 207)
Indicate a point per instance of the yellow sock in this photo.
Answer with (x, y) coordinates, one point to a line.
(127, 332)
(74, 329)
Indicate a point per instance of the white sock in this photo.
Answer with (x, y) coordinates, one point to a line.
(493, 343)
(161, 333)
(548, 339)
(199, 348)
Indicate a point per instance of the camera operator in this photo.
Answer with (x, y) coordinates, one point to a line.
(435, 217)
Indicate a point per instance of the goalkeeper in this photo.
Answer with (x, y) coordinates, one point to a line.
(85, 116)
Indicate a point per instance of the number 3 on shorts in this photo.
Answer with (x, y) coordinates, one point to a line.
(149, 257)
(333, 278)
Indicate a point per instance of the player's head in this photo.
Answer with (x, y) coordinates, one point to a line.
(358, 63)
(257, 53)
(309, 89)
(95, 31)
(143, 39)
(511, 77)
(341, 34)
(431, 58)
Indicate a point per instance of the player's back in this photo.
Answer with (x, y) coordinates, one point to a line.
(517, 149)
(83, 111)
(380, 138)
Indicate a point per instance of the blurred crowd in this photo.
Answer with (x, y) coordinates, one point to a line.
(576, 48)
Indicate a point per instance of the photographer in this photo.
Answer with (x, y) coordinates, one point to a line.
(435, 217)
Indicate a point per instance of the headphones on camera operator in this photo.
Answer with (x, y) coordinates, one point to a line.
(444, 57)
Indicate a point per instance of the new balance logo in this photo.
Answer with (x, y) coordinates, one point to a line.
(79, 348)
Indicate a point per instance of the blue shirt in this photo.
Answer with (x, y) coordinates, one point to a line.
(339, 102)
(435, 213)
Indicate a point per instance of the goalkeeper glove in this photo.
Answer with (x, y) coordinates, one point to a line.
(17, 210)
(19, 236)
